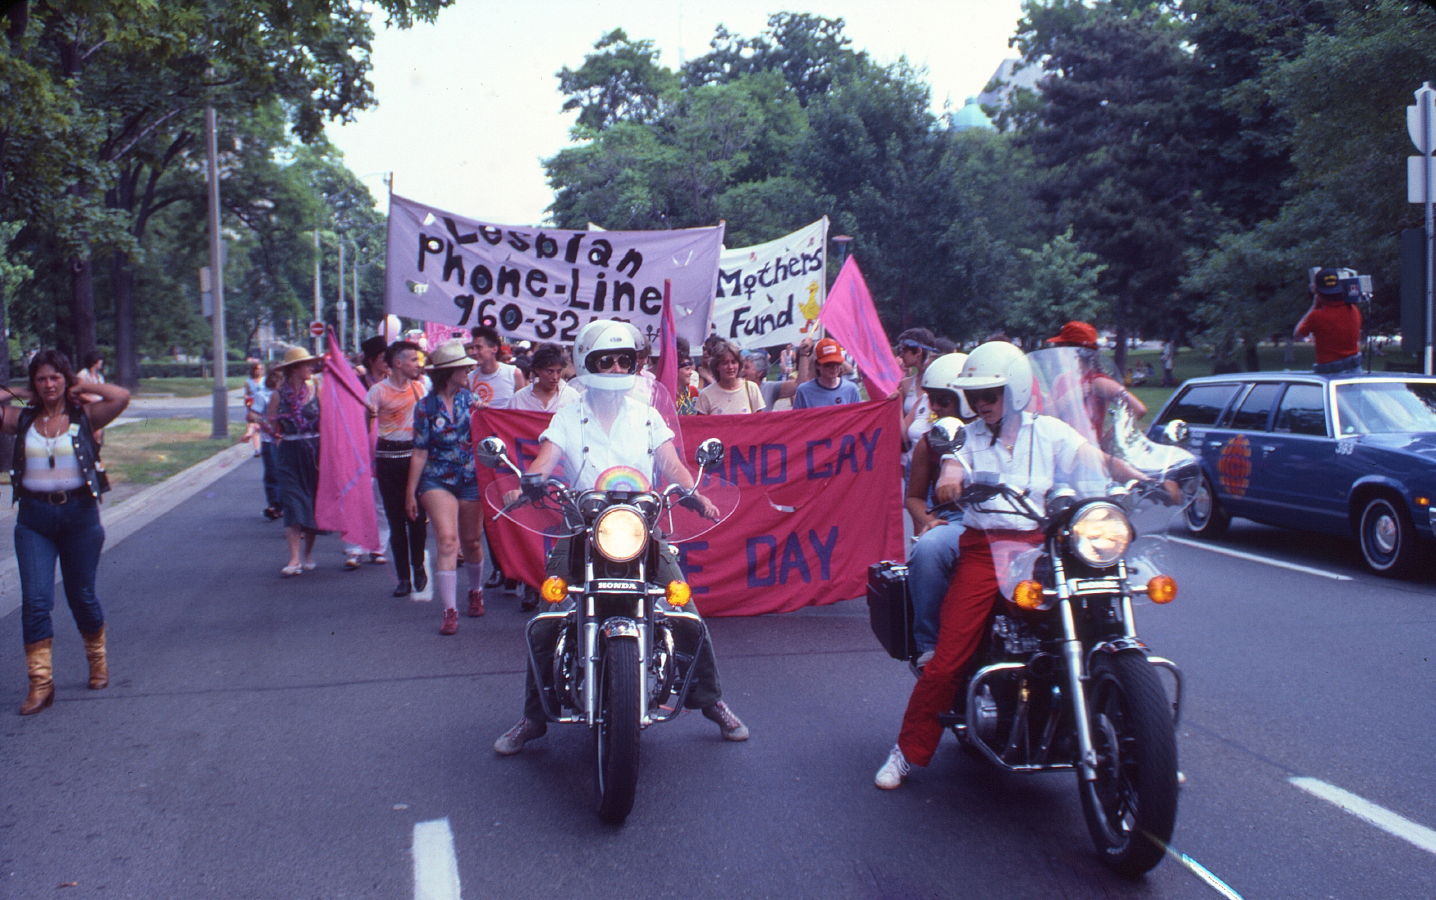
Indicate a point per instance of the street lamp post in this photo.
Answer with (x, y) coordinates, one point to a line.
(219, 415)
(343, 312)
(842, 240)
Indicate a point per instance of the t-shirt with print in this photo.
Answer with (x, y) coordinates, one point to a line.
(633, 440)
(396, 408)
(811, 394)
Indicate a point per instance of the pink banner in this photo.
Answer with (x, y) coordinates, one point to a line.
(851, 318)
(344, 499)
(821, 500)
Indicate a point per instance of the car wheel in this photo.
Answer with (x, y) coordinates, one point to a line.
(1205, 516)
(1386, 536)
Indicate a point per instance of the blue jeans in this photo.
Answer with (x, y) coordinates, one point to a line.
(70, 532)
(930, 564)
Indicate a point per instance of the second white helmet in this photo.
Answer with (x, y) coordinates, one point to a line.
(939, 375)
(998, 364)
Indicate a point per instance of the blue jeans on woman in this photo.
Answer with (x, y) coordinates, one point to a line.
(72, 534)
(930, 564)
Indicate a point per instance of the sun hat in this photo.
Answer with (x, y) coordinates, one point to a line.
(450, 355)
(294, 356)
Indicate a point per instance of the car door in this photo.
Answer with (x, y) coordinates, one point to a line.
(1240, 462)
(1203, 406)
(1297, 463)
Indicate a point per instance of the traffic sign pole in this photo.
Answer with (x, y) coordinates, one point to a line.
(1421, 126)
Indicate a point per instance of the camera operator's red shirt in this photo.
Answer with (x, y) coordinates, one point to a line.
(1336, 326)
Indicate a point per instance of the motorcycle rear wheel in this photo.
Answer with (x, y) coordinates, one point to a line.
(1131, 808)
(615, 738)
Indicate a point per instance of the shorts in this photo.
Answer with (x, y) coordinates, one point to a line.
(468, 491)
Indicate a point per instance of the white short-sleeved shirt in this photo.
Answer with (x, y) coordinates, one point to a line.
(495, 389)
(637, 433)
(1045, 449)
(527, 399)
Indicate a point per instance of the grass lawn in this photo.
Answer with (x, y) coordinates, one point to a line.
(1192, 361)
(186, 387)
(150, 450)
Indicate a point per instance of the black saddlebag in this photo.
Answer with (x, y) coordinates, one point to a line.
(890, 609)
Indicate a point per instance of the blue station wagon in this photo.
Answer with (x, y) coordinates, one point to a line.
(1348, 454)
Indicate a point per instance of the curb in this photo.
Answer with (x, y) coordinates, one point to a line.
(140, 510)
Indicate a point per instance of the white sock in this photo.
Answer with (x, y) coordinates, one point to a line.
(476, 575)
(446, 584)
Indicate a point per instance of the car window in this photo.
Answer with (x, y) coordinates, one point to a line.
(1301, 410)
(1386, 407)
(1255, 408)
(1201, 404)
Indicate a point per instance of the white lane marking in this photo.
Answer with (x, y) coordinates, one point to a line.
(1205, 874)
(436, 868)
(1381, 817)
(1252, 557)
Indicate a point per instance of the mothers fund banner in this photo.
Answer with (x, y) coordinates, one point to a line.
(771, 293)
(545, 283)
(821, 500)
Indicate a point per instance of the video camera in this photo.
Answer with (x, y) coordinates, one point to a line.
(1346, 283)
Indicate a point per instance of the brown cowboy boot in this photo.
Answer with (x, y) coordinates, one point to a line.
(99, 663)
(42, 686)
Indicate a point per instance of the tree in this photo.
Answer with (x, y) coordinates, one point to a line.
(1058, 284)
(622, 83)
(810, 52)
(1115, 139)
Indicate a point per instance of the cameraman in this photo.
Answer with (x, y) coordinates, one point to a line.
(1335, 324)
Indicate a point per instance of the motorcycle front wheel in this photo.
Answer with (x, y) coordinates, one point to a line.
(1131, 808)
(615, 738)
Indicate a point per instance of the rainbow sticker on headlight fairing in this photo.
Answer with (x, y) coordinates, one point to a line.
(621, 478)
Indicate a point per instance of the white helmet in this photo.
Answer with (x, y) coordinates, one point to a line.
(597, 338)
(998, 364)
(939, 375)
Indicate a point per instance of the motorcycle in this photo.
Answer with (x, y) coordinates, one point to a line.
(1061, 681)
(612, 650)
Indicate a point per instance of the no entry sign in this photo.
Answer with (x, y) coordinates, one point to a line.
(316, 329)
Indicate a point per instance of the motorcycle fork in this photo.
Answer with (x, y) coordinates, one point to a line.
(1076, 672)
(592, 657)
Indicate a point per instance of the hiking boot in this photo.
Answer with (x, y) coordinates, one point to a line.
(513, 740)
(732, 727)
(451, 622)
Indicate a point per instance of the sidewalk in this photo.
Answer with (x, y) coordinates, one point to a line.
(123, 512)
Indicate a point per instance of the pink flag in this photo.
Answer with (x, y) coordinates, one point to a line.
(344, 500)
(667, 370)
(850, 317)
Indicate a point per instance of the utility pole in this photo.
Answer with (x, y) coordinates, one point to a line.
(318, 287)
(1420, 186)
(343, 311)
(219, 416)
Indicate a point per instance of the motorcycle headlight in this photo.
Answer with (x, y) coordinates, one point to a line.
(1099, 534)
(620, 533)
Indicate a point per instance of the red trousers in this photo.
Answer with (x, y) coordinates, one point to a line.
(964, 611)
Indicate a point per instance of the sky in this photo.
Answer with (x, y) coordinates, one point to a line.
(468, 107)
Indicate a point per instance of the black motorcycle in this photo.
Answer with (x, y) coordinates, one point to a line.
(611, 649)
(1061, 679)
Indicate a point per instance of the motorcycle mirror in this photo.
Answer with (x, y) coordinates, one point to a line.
(1176, 432)
(710, 452)
(493, 453)
(946, 436)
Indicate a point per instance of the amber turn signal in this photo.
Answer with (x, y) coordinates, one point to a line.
(1028, 594)
(679, 593)
(1162, 589)
(554, 589)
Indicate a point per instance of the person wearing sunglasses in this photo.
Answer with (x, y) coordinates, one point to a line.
(609, 428)
(1024, 450)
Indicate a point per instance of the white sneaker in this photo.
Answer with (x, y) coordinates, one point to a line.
(890, 776)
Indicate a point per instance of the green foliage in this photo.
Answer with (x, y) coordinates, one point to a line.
(1059, 284)
(621, 83)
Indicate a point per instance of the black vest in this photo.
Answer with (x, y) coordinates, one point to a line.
(82, 439)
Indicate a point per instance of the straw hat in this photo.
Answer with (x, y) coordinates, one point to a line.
(450, 355)
(296, 355)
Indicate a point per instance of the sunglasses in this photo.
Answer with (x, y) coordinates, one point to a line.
(623, 360)
(985, 395)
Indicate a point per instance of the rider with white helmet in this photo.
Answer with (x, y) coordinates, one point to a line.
(1024, 450)
(609, 428)
(933, 555)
